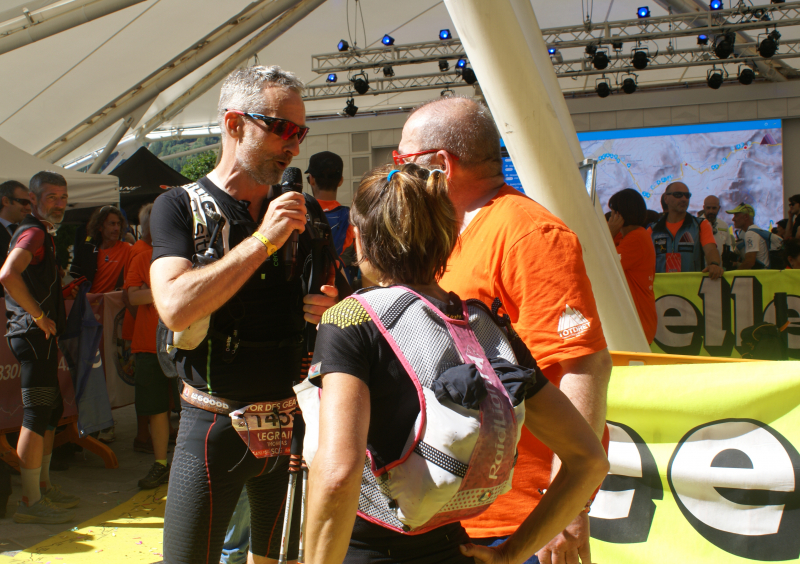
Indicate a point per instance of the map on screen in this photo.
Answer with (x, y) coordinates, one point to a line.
(736, 161)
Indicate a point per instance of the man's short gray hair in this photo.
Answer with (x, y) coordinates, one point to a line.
(36, 185)
(243, 89)
(463, 127)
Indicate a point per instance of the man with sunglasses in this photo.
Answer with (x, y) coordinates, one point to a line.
(682, 241)
(515, 251)
(252, 348)
(14, 206)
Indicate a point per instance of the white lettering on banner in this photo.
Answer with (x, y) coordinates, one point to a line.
(736, 455)
(714, 310)
(623, 510)
(793, 303)
(675, 311)
(745, 291)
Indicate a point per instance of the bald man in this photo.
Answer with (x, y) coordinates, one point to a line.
(721, 233)
(681, 240)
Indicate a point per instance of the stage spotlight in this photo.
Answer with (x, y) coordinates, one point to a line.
(444, 66)
(350, 109)
(552, 50)
(702, 39)
(715, 5)
(461, 63)
(331, 78)
(629, 85)
(388, 71)
(777, 1)
(602, 87)
(723, 45)
(469, 75)
(640, 59)
(746, 75)
(343, 45)
(445, 34)
(360, 83)
(600, 60)
(387, 40)
(714, 79)
(616, 45)
(643, 12)
(769, 45)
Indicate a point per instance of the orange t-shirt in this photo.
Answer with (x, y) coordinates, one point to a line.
(129, 321)
(706, 232)
(144, 332)
(516, 250)
(110, 263)
(638, 258)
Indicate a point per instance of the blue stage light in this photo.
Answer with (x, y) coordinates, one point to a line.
(643, 12)
(552, 50)
(445, 34)
(331, 78)
(715, 4)
(343, 45)
(702, 39)
(387, 40)
(461, 63)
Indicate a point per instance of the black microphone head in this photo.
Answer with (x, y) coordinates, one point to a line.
(292, 179)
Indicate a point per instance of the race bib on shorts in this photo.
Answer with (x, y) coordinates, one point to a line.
(266, 427)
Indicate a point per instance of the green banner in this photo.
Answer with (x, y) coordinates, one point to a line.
(704, 465)
(700, 316)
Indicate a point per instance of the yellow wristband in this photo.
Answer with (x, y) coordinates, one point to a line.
(270, 247)
(35, 319)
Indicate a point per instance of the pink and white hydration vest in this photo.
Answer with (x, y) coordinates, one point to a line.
(457, 461)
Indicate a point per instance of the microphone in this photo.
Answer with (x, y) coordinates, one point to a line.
(292, 181)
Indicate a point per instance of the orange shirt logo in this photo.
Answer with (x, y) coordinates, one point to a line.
(572, 324)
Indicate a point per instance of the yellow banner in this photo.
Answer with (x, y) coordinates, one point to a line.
(704, 465)
(700, 316)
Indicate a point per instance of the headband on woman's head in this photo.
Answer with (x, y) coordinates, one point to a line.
(389, 178)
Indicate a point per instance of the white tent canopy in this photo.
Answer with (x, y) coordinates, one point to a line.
(85, 190)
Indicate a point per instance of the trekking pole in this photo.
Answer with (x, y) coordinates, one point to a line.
(303, 501)
(295, 467)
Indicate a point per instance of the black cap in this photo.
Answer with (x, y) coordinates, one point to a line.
(325, 165)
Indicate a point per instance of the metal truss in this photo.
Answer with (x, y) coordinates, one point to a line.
(683, 58)
(741, 18)
(393, 85)
(411, 54)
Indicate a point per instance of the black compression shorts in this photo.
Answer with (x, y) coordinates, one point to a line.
(203, 492)
(42, 404)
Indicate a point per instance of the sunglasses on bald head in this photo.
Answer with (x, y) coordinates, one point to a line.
(283, 128)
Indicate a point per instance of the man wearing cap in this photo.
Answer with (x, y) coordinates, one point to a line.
(682, 240)
(753, 243)
(325, 177)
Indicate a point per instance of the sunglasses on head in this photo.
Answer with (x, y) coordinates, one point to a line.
(401, 159)
(686, 195)
(283, 128)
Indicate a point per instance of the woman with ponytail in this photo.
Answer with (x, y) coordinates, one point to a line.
(370, 403)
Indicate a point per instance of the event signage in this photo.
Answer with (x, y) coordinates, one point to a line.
(704, 465)
(700, 316)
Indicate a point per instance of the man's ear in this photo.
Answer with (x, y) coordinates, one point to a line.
(447, 163)
(340, 182)
(233, 124)
(33, 199)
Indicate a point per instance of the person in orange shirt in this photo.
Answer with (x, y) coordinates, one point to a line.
(636, 252)
(105, 227)
(681, 240)
(153, 388)
(514, 250)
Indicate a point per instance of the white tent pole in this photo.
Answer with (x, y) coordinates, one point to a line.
(221, 39)
(269, 34)
(112, 144)
(50, 20)
(492, 35)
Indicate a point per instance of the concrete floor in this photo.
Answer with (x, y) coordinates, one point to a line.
(99, 488)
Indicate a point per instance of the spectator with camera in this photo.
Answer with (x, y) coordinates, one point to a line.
(636, 252)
